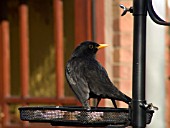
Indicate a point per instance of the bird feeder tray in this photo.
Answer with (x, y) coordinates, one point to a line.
(78, 116)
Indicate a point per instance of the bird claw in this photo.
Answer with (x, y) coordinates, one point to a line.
(88, 109)
(86, 106)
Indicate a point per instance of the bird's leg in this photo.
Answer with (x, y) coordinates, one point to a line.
(86, 105)
(98, 101)
(114, 103)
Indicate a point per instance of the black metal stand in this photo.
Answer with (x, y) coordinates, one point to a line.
(139, 50)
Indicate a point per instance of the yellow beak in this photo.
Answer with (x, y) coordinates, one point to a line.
(102, 46)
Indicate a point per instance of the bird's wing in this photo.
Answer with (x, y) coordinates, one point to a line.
(76, 80)
(99, 82)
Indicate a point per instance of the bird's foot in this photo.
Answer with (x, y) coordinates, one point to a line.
(114, 103)
(86, 106)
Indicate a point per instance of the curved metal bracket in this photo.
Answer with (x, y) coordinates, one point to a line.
(154, 16)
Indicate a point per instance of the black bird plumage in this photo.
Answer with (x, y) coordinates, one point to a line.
(88, 79)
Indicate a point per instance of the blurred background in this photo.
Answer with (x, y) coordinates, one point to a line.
(37, 38)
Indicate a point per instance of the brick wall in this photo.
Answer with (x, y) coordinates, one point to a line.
(122, 43)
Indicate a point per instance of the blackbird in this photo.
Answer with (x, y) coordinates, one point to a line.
(88, 79)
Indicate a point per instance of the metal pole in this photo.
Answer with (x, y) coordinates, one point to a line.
(139, 52)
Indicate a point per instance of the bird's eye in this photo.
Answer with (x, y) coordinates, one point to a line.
(91, 46)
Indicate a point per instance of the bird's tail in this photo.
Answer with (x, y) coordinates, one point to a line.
(122, 97)
(127, 99)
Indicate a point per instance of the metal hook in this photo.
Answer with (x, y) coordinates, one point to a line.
(125, 10)
(154, 16)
